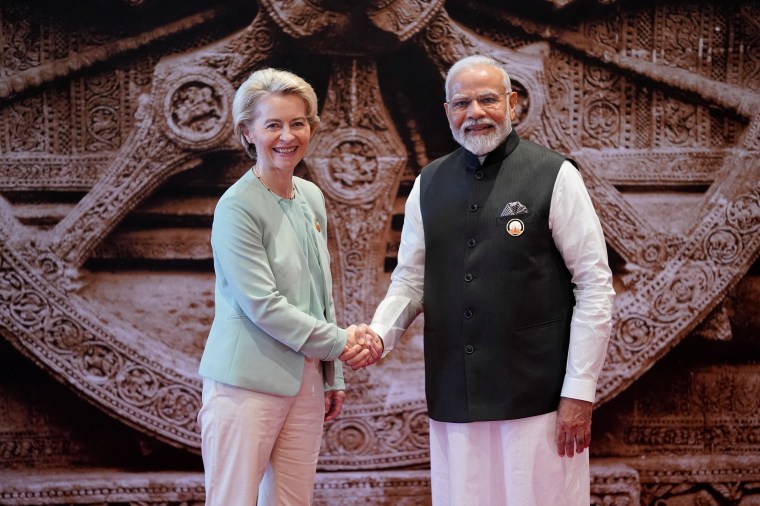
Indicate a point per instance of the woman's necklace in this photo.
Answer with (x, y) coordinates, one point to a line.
(270, 190)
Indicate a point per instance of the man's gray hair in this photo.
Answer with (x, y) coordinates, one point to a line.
(474, 61)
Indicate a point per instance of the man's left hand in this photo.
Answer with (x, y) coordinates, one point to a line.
(573, 432)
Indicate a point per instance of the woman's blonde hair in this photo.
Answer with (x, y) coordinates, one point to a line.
(262, 83)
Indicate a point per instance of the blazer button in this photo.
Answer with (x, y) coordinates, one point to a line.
(469, 349)
(479, 175)
(473, 207)
(471, 243)
(468, 314)
(468, 277)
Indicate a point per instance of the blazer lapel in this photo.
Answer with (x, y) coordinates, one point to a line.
(318, 221)
(286, 237)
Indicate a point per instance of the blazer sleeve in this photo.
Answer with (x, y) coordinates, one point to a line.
(338, 382)
(237, 238)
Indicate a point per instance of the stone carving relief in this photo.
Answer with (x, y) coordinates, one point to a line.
(659, 105)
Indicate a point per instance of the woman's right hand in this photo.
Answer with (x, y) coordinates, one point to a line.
(363, 347)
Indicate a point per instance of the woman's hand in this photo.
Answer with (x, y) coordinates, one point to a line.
(334, 400)
(364, 347)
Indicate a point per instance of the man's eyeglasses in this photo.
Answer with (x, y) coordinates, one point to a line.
(489, 101)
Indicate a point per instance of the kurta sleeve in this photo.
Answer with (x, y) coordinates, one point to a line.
(403, 301)
(578, 235)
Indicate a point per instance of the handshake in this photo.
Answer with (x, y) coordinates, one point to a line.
(364, 347)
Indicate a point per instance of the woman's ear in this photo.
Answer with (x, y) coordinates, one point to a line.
(246, 133)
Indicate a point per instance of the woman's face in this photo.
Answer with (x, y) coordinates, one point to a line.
(280, 132)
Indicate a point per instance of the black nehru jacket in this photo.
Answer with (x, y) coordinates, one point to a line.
(497, 306)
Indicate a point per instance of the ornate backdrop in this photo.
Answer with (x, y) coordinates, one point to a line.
(116, 142)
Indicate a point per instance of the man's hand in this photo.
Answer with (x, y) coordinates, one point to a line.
(364, 347)
(334, 400)
(573, 432)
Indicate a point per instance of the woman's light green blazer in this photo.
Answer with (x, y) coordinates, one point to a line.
(262, 329)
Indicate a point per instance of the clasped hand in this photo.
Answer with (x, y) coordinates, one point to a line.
(364, 347)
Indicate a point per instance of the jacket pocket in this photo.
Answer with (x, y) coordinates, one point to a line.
(540, 325)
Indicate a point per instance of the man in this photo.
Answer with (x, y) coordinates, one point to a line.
(502, 246)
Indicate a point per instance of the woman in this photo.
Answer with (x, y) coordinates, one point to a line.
(269, 368)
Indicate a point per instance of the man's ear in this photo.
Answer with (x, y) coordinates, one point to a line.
(512, 105)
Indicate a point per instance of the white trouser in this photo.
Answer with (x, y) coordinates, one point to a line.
(260, 448)
(505, 463)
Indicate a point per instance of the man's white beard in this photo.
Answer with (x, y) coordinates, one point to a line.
(480, 145)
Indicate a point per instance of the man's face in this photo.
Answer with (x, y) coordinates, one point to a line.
(480, 111)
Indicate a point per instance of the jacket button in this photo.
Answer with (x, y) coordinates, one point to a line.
(471, 243)
(469, 349)
(468, 277)
(468, 314)
(479, 175)
(473, 207)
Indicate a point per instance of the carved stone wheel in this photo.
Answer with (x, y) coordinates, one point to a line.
(667, 141)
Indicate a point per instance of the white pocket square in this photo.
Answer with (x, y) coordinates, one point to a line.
(513, 209)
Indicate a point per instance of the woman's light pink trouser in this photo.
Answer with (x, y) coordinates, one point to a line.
(260, 448)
